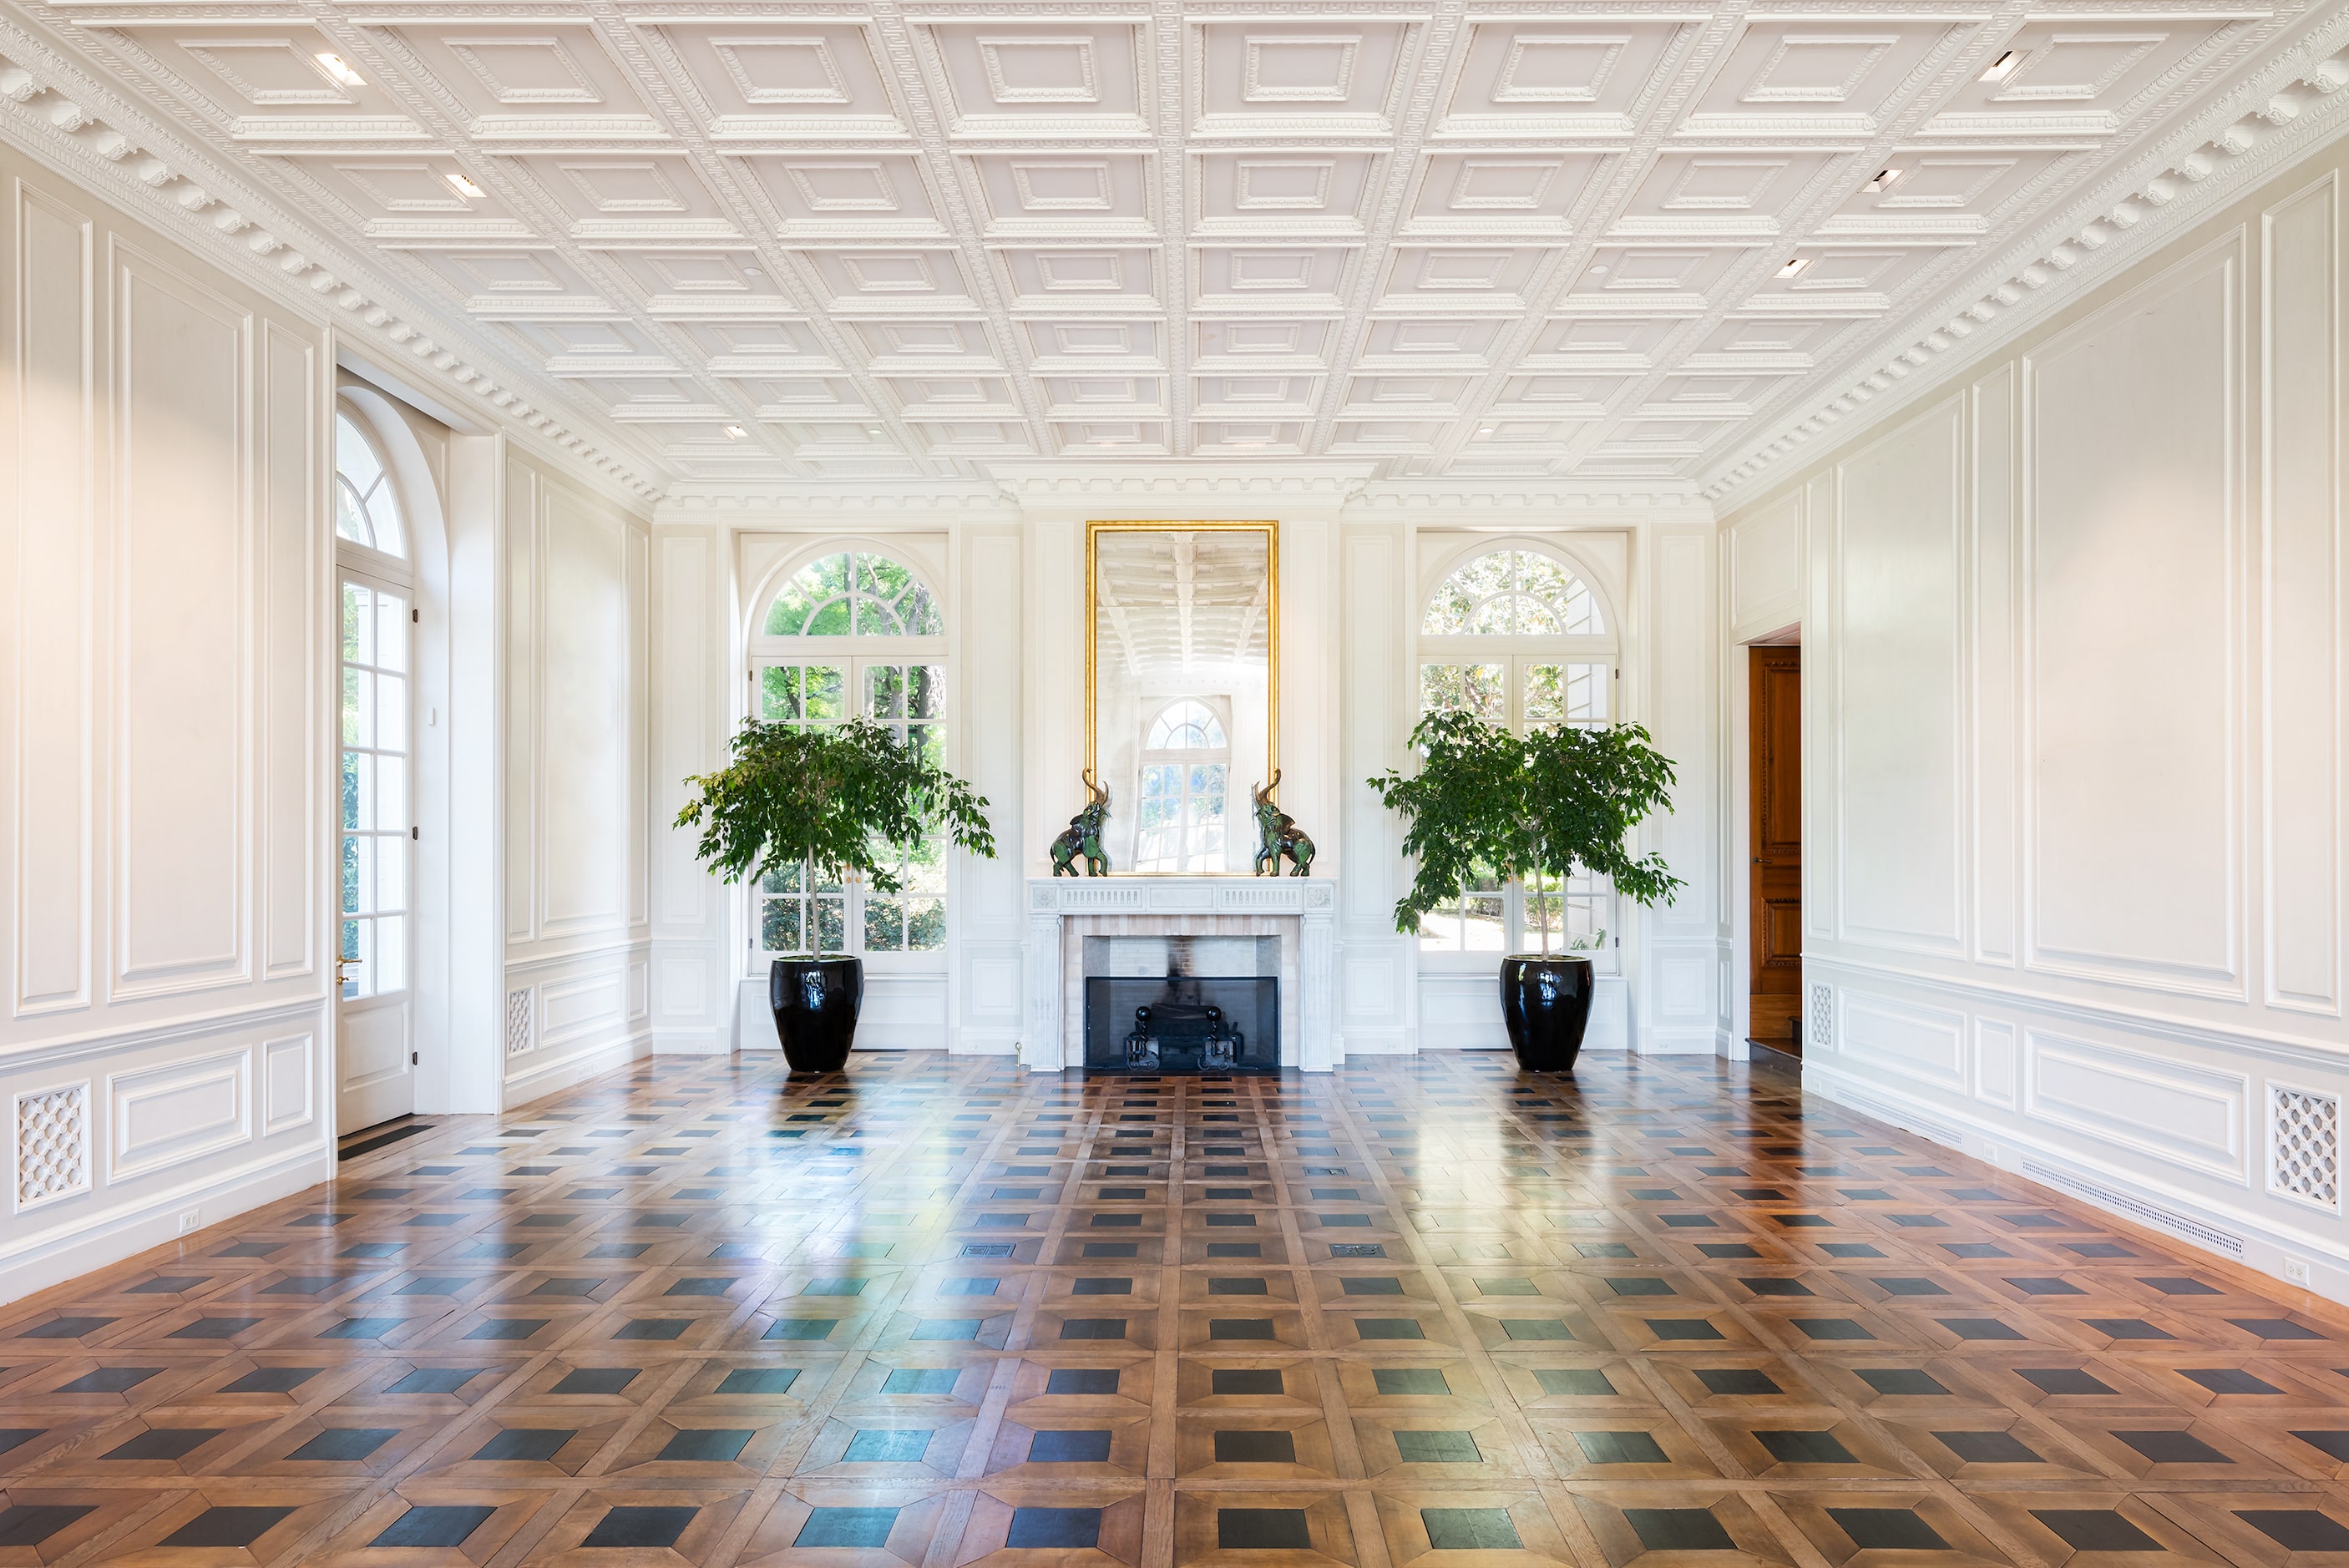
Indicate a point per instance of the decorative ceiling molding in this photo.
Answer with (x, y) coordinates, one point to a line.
(2229, 151)
(726, 253)
(79, 127)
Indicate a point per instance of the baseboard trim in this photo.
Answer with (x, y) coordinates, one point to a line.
(66, 1253)
(2228, 1236)
(543, 1078)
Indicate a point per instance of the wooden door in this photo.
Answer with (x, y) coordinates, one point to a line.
(1774, 686)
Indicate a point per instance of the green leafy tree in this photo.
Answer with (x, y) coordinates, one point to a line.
(841, 800)
(1553, 801)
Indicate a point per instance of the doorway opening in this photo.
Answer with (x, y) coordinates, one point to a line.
(1774, 841)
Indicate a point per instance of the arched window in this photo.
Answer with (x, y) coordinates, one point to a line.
(367, 508)
(1186, 753)
(854, 594)
(1513, 593)
(1520, 638)
(856, 632)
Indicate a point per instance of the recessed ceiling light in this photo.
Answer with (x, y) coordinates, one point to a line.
(340, 69)
(464, 187)
(1599, 271)
(1884, 178)
(2003, 67)
(736, 433)
(1794, 266)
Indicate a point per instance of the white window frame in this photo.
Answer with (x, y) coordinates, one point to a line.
(853, 657)
(1515, 655)
(1219, 709)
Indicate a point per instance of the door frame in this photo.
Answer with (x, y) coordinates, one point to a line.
(351, 568)
(1737, 891)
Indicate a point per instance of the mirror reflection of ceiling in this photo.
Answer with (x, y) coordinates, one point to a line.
(862, 244)
(1184, 611)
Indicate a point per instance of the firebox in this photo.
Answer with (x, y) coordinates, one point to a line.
(1182, 1023)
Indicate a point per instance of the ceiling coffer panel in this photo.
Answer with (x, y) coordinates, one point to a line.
(867, 244)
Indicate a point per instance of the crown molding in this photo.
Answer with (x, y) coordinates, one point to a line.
(1195, 487)
(2207, 166)
(60, 116)
(1204, 483)
(737, 504)
(1518, 505)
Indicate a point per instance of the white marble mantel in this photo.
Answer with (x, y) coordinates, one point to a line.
(1063, 911)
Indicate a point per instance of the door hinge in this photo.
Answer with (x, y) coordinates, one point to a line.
(414, 617)
(414, 1057)
(415, 833)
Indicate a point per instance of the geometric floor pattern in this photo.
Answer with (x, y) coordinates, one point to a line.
(939, 1311)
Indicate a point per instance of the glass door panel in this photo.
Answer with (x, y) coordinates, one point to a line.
(376, 1076)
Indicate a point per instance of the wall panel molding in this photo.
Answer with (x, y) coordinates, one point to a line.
(2167, 1110)
(181, 648)
(55, 459)
(2133, 617)
(161, 1117)
(2301, 649)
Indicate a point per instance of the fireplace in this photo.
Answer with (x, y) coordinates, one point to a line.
(1273, 936)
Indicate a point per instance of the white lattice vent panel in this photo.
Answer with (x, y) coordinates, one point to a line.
(52, 1145)
(521, 1018)
(1823, 1017)
(2304, 1146)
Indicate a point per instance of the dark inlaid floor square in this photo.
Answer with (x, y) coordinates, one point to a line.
(347, 1444)
(1888, 1529)
(26, 1525)
(1069, 1448)
(2297, 1528)
(643, 1528)
(1470, 1530)
(1679, 1530)
(885, 1447)
(2165, 1448)
(1262, 1529)
(1797, 1448)
(442, 1526)
(235, 1526)
(1618, 1448)
(536, 1443)
(1256, 1447)
(1054, 1527)
(847, 1527)
(2094, 1530)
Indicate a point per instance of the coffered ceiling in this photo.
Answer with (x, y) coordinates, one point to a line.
(895, 240)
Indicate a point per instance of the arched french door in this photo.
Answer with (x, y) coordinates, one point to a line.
(374, 950)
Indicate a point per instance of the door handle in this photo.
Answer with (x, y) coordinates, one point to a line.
(340, 964)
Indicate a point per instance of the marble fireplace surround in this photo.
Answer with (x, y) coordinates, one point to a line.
(1062, 911)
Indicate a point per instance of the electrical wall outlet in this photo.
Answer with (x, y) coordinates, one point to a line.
(189, 1220)
(2295, 1269)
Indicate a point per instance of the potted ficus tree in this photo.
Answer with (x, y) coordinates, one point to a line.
(838, 803)
(1539, 806)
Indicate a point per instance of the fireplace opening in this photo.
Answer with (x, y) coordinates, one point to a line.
(1182, 1025)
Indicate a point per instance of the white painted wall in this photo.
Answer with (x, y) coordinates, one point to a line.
(164, 633)
(578, 787)
(2074, 871)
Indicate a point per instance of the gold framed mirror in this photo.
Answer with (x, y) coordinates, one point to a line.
(1181, 688)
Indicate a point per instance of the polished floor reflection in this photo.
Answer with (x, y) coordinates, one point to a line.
(941, 1311)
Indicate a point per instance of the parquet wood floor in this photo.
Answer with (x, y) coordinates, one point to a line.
(940, 1311)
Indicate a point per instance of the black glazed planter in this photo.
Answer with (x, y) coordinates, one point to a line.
(1546, 1002)
(816, 1001)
